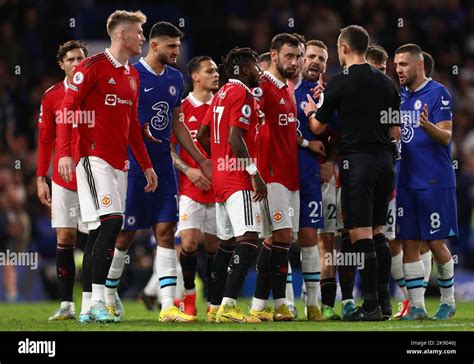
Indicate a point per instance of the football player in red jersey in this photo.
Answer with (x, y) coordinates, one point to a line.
(197, 209)
(229, 136)
(63, 199)
(278, 162)
(106, 87)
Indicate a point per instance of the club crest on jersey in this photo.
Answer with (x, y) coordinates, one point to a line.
(246, 110)
(258, 218)
(133, 83)
(106, 200)
(257, 92)
(131, 220)
(221, 95)
(321, 100)
(303, 104)
(160, 120)
(184, 217)
(277, 216)
(417, 105)
(172, 90)
(78, 78)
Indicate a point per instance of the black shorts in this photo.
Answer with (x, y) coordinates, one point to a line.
(367, 182)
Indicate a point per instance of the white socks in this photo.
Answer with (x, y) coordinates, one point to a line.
(289, 293)
(426, 259)
(446, 281)
(414, 276)
(166, 269)
(113, 278)
(398, 274)
(311, 269)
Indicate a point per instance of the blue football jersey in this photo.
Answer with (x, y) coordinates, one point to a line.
(308, 162)
(425, 162)
(159, 96)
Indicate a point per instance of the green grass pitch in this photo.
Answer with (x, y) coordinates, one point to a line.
(34, 317)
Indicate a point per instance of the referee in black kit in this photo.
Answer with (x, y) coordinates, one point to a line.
(363, 97)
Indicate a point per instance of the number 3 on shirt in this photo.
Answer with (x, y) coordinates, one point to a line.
(218, 111)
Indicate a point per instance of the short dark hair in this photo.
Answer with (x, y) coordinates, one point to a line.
(281, 39)
(264, 57)
(376, 54)
(412, 48)
(300, 38)
(165, 29)
(316, 43)
(195, 63)
(69, 46)
(429, 63)
(237, 57)
(356, 37)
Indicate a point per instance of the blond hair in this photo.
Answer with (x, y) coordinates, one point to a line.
(121, 16)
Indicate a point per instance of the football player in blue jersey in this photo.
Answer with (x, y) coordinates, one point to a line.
(159, 111)
(426, 193)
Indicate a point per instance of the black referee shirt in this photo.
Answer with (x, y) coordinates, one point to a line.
(361, 95)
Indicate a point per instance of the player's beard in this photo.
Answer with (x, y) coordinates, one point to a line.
(163, 59)
(409, 81)
(310, 76)
(285, 73)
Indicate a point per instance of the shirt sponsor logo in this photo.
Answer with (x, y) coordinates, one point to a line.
(106, 200)
(282, 119)
(160, 120)
(113, 100)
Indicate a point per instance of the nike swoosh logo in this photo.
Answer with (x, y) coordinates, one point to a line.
(434, 231)
(314, 221)
(148, 89)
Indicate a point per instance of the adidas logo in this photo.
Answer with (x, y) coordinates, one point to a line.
(192, 118)
(111, 81)
(282, 102)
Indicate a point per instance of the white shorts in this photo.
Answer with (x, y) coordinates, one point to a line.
(65, 210)
(331, 208)
(281, 209)
(389, 229)
(102, 190)
(196, 215)
(237, 215)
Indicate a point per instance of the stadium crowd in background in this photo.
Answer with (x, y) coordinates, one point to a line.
(27, 68)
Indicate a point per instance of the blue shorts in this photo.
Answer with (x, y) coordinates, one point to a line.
(311, 206)
(143, 209)
(426, 214)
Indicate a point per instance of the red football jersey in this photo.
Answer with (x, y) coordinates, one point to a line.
(107, 94)
(194, 112)
(233, 105)
(50, 104)
(278, 148)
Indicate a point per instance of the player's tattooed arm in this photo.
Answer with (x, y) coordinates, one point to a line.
(441, 132)
(177, 160)
(194, 174)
